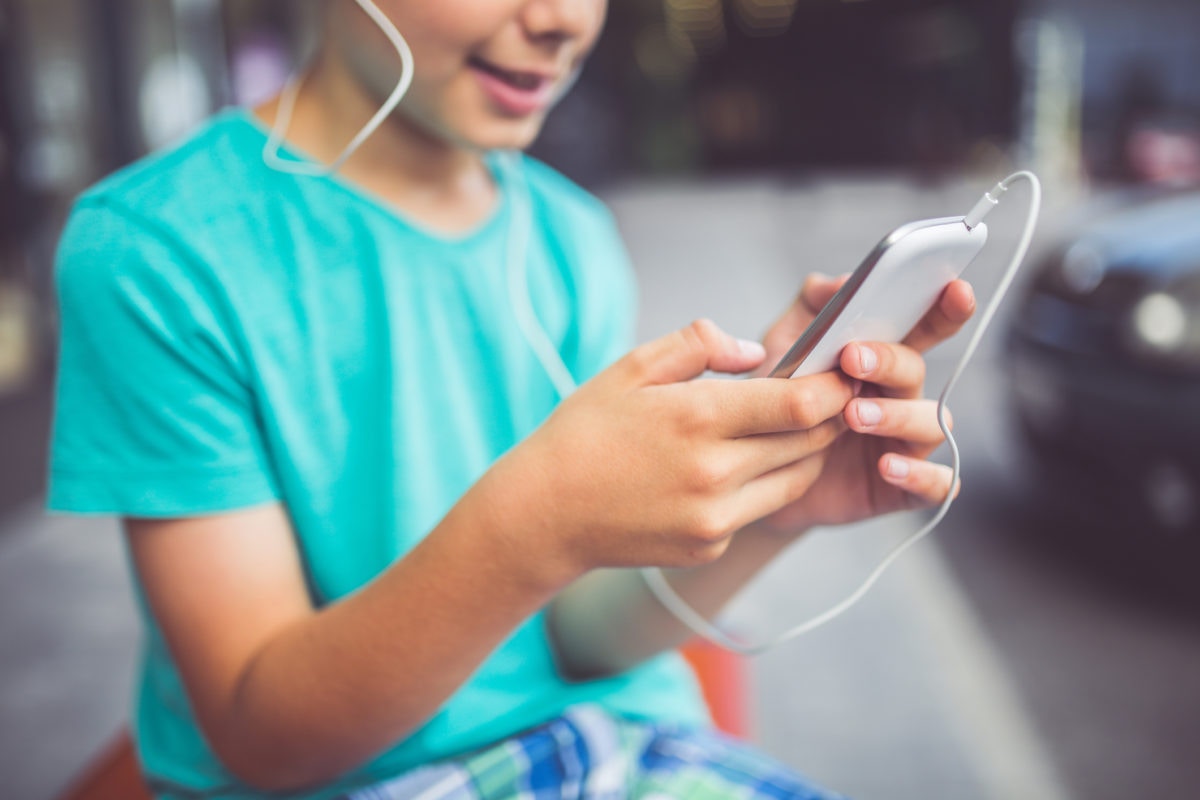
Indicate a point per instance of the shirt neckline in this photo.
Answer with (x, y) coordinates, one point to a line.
(482, 230)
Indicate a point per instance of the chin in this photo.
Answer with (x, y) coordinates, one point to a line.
(485, 130)
(506, 135)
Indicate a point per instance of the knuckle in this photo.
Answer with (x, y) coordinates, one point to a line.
(639, 362)
(919, 370)
(710, 475)
(803, 408)
(711, 526)
(713, 551)
(809, 287)
(699, 555)
(700, 333)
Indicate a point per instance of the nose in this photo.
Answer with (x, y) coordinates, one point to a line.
(558, 21)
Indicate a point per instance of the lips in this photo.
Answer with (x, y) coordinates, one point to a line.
(514, 92)
(527, 81)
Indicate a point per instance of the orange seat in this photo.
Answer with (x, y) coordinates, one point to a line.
(723, 680)
(113, 775)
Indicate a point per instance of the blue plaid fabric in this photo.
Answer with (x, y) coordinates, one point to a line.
(588, 754)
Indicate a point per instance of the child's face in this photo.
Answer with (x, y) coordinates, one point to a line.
(486, 71)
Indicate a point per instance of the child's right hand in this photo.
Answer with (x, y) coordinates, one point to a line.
(645, 466)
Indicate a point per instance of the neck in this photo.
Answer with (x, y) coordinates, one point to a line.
(441, 184)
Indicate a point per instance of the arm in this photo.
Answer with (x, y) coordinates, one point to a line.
(291, 696)
(609, 621)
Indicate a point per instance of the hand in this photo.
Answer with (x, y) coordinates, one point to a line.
(880, 466)
(645, 466)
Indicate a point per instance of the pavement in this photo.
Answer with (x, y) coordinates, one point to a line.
(977, 668)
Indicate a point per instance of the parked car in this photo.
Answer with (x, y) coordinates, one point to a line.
(1103, 358)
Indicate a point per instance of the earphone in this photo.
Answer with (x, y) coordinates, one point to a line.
(287, 106)
(671, 600)
(559, 374)
(521, 220)
(654, 578)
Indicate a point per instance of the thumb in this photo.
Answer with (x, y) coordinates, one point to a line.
(689, 352)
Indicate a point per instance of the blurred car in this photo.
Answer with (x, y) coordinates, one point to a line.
(1103, 361)
(1164, 152)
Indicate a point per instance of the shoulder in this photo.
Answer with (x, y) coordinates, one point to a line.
(209, 158)
(113, 267)
(134, 233)
(190, 190)
(161, 215)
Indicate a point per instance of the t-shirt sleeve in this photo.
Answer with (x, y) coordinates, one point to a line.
(154, 410)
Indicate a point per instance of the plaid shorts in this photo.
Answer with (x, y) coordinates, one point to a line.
(591, 755)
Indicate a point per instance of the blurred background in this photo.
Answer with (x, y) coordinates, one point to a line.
(1045, 643)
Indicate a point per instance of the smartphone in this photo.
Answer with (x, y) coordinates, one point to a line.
(889, 293)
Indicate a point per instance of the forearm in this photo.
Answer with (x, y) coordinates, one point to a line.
(608, 621)
(335, 688)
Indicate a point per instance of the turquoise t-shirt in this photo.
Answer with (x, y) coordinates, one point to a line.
(232, 336)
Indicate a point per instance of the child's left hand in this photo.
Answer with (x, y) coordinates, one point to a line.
(880, 465)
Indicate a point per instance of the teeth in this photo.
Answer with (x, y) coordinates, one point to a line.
(524, 81)
(519, 80)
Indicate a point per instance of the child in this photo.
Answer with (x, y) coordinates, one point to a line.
(375, 554)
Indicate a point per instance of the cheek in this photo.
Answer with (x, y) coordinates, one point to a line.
(460, 114)
(599, 13)
(435, 29)
(375, 63)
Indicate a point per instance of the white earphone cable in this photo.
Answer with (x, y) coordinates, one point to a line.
(518, 287)
(560, 376)
(671, 600)
(287, 107)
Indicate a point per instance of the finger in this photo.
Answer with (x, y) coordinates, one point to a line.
(818, 289)
(689, 352)
(771, 492)
(774, 405)
(911, 421)
(954, 308)
(759, 455)
(897, 369)
(926, 483)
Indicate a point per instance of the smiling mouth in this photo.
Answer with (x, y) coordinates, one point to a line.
(525, 81)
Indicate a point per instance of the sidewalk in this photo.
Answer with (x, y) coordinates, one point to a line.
(70, 639)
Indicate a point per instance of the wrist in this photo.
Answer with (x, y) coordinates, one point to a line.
(511, 509)
(767, 534)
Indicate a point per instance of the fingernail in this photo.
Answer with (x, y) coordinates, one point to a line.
(867, 360)
(751, 349)
(869, 413)
(897, 468)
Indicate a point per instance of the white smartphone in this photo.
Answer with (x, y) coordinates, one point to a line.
(889, 293)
